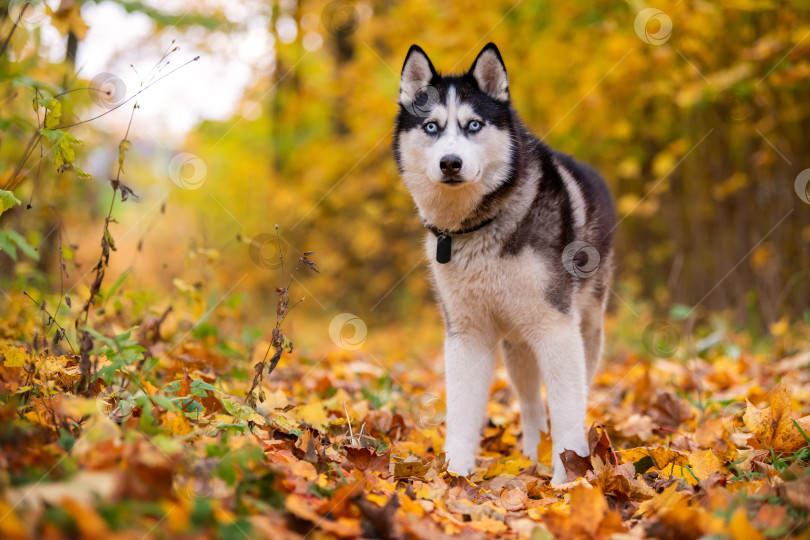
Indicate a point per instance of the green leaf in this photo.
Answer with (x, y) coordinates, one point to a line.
(119, 361)
(7, 200)
(202, 385)
(120, 281)
(680, 312)
(11, 240)
(110, 240)
(163, 401)
(24, 81)
(238, 411)
(48, 103)
(8, 246)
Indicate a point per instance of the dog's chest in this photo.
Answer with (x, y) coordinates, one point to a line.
(479, 279)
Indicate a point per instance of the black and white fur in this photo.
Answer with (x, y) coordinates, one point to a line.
(533, 280)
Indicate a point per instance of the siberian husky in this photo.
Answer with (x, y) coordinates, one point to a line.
(519, 242)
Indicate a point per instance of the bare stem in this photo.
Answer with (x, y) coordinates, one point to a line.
(52, 319)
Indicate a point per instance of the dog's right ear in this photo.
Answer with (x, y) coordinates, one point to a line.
(417, 72)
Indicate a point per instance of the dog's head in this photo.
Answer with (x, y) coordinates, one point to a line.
(454, 134)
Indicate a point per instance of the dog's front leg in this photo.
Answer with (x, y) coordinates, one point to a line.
(562, 360)
(468, 360)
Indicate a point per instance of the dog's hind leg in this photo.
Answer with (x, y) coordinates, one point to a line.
(593, 336)
(524, 371)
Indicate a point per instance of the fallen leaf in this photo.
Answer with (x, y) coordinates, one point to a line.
(575, 465)
(704, 464)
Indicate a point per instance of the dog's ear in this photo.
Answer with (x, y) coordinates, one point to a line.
(490, 73)
(417, 72)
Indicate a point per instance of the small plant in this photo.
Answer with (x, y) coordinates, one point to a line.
(278, 340)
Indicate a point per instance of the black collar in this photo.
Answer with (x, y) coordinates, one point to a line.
(446, 232)
(444, 249)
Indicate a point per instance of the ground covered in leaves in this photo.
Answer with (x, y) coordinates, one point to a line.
(163, 444)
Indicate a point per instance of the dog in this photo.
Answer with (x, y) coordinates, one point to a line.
(519, 243)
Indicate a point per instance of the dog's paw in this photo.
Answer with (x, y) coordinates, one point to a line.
(560, 477)
(461, 471)
(460, 463)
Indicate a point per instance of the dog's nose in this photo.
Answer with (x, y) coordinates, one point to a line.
(450, 164)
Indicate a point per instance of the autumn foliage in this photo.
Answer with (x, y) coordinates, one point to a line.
(176, 363)
(342, 447)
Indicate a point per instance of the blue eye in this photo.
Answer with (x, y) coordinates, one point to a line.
(474, 126)
(431, 127)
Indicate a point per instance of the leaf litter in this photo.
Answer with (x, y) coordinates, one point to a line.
(166, 443)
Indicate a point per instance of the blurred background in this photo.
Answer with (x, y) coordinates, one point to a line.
(697, 114)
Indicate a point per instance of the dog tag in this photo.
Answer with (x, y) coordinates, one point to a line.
(443, 248)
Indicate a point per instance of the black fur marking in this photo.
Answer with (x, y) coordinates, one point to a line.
(599, 212)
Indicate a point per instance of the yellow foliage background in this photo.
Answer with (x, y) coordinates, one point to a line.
(701, 139)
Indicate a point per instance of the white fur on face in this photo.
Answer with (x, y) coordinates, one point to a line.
(484, 156)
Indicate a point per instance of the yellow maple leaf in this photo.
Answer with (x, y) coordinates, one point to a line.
(590, 516)
(179, 425)
(667, 499)
(314, 414)
(661, 457)
(304, 469)
(14, 356)
(774, 427)
(704, 463)
(68, 18)
(512, 465)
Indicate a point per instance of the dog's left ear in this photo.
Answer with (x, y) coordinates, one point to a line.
(490, 73)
